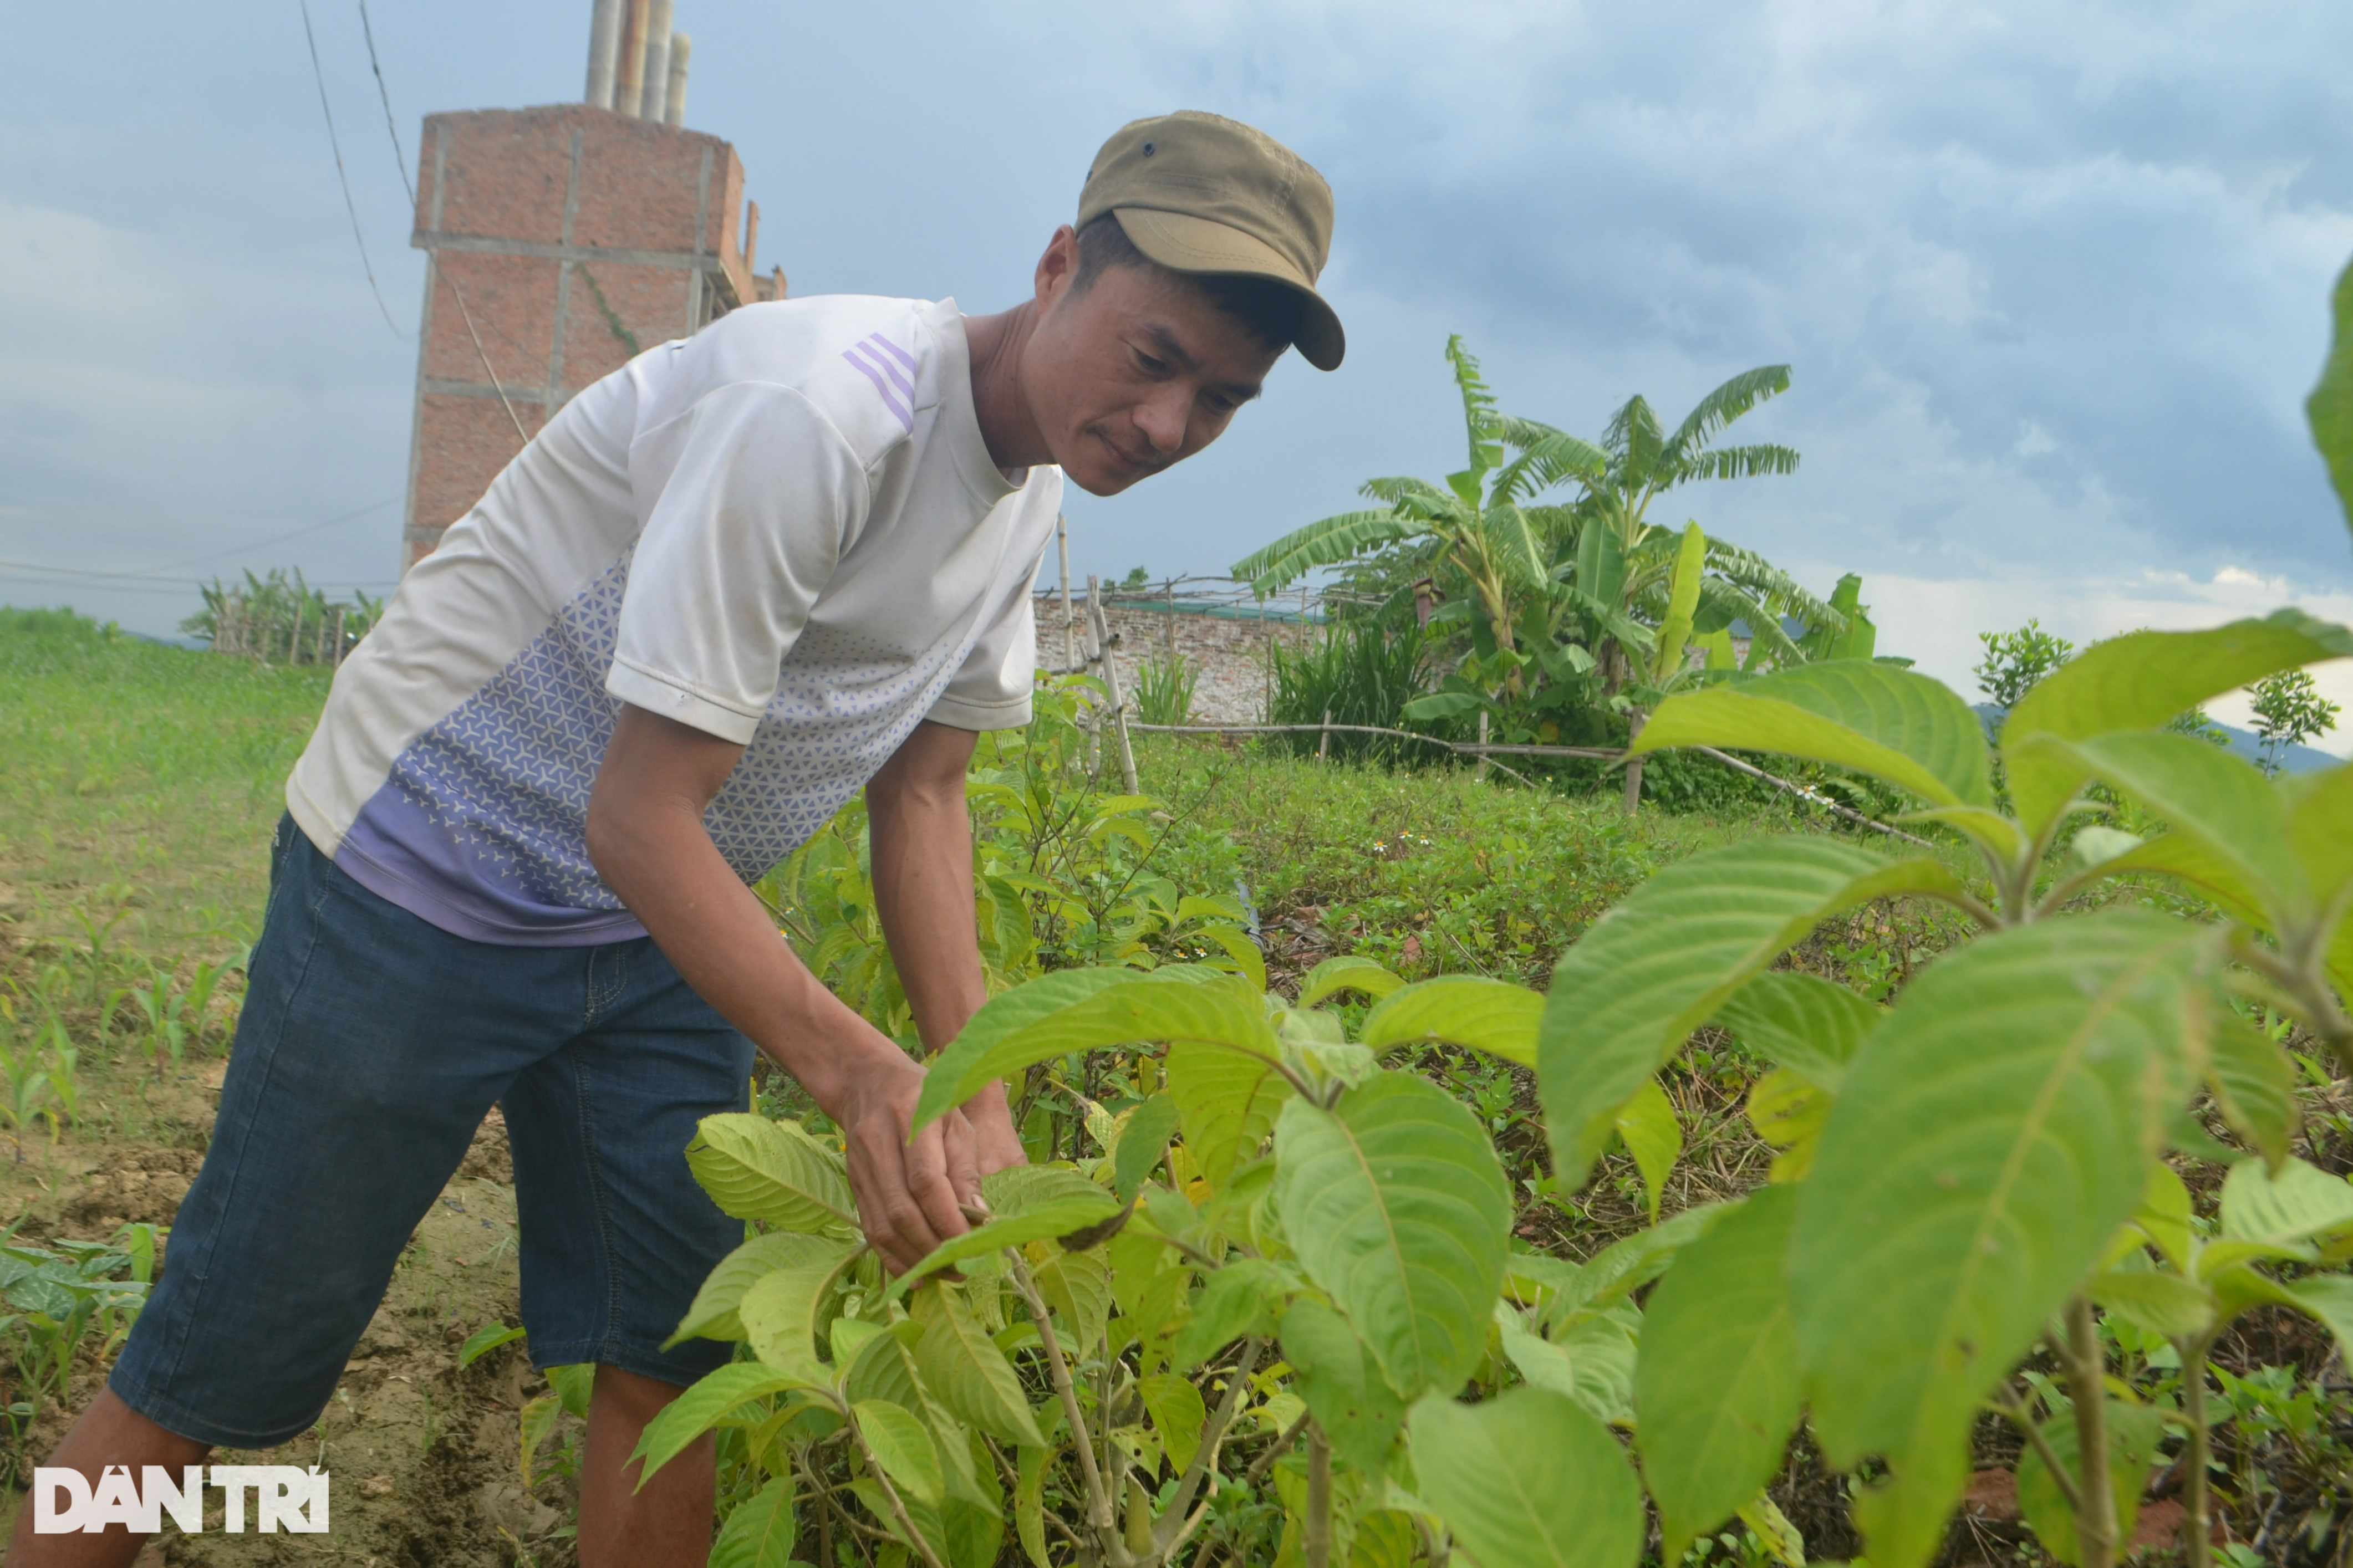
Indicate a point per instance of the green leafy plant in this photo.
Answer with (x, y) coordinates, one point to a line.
(1165, 690)
(2016, 662)
(2290, 710)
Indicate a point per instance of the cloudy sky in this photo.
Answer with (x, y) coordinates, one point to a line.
(2052, 279)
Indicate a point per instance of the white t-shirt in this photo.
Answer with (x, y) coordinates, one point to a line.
(785, 531)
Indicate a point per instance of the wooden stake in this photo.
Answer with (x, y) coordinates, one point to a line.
(1111, 680)
(1069, 621)
(1323, 746)
(338, 639)
(1483, 741)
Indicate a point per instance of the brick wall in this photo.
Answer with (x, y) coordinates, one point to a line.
(564, 233)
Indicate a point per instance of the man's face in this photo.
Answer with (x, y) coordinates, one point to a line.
(1137, 372)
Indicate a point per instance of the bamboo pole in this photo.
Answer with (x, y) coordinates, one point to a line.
(1483, 741)
(1323, 746)
(1111, 680)
(1069, 621)
(338, 639)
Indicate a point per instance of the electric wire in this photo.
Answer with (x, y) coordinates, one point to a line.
(334, 144)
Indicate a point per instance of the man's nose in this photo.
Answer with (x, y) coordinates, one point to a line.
(1161, 420)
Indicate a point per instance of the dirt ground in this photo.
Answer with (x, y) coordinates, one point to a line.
(425, 1457)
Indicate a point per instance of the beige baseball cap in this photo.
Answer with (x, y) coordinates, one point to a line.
(1200, 193)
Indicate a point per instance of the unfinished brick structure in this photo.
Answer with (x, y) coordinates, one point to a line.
(559, 243)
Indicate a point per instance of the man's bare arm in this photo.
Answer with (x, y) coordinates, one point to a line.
(922, 832)
(647, 839)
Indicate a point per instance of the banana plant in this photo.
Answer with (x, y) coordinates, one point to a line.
(1474, 523)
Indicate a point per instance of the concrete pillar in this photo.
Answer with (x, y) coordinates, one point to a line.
(656, 74)
(604, 47)
(628, 83)
(674, 100)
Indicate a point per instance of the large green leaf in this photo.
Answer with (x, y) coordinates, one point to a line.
(1228, 1101)
(2320, 829)
(1347, 972)
(1322, 544)
(1085, 1009)
(964, 1369)
(1624, 1267)
(1127, 1009)
(1630, 991)
(1980, 1156)
(2134, 1432)
(757, 1169)
(712, 1316)
(1338, 1378)
(761, 1532)
(1178, 1413)
(1458, 1010)
(696, 1410)
(2330, 407)
(784, 1308)
(905, 1447)
(2328, 1298)
(1078, 1285)
(1400, 1211)
(1032, 1203)
(2204, 795)
(2255, 1086)
(2140, 681)
(1245, 1297)
(2297, 1204)
(1716, 1388)
(1802, 1022)
(1528, 1479)
(1877, 718)
(1142, 1140)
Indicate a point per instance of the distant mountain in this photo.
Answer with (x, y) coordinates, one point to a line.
(2244, 743)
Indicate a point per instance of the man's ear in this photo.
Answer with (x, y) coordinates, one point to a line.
(1057, 270)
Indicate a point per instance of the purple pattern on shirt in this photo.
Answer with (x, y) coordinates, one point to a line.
(482, 826)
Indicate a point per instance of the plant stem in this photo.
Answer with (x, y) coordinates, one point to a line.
(2010, 1406)
(1205, 1459)
(898, 1509)
(2096, 1518)
(1317, 1536)
(1099, 1507)
(2197, 1519)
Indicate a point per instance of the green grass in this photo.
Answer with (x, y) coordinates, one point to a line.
(140, 777)
(1428, 870)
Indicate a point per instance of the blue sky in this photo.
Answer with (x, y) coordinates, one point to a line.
(2052, 279)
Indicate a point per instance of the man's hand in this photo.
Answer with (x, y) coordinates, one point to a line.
(910, 1195)
(646, 838)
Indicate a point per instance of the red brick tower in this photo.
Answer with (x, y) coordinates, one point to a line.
(559, 243)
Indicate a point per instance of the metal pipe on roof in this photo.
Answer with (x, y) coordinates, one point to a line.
(629, 61)
(656, 74)
(674, 102)
(604, 47)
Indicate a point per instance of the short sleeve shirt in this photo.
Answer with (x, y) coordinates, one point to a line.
(785, 531)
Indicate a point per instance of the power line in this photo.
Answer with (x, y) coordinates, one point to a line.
(161, 574)
(399, 158)
(350, 206)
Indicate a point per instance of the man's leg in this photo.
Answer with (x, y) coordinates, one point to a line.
(109, 1433)
(368, 1048)
(617, 1236)
(667, 1523)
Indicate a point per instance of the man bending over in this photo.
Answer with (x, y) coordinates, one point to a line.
(725, 586)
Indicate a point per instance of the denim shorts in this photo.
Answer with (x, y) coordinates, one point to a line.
(371, 1047)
